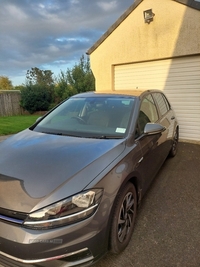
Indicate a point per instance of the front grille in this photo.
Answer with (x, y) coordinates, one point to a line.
(12, 216)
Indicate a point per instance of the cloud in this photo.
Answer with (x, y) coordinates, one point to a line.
(108, 6)
(51, 33)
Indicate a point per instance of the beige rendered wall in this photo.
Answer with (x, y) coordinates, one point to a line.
(174, 32)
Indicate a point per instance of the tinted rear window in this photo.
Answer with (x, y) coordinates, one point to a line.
(162, 103)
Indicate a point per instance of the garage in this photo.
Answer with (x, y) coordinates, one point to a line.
(178, 77)
(160, 53)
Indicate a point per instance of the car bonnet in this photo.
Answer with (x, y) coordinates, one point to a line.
(34, 167)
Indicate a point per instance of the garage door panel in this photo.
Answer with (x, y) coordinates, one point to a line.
(183, 99)
(189, 136)
(185, 104)
(180, 90)
(187, 115)
(181, 86)
(190, 122)
(180, 80)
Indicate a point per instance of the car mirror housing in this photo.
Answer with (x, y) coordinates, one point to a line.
(153, 128)
(38, 119)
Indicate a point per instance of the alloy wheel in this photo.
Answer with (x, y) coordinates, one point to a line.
(126, 216)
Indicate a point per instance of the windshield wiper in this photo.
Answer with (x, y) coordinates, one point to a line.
(107, 137)
(95, 137)
(52, 133)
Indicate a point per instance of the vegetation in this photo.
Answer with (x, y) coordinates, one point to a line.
(5, 83)
(15, 124)
(42, 92)
(38, 94)
(40, 77)
(79, 79)
(35, 98)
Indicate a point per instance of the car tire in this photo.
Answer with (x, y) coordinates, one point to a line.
(123, 218)
(174, 147)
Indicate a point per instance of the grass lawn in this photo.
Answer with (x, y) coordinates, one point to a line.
(15, 124)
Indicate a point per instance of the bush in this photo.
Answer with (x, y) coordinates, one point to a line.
(35, 98)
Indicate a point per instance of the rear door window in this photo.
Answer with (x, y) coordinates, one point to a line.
(148, 112)
(162, 103)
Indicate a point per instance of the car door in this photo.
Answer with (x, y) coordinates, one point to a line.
(151, 145)
(167, 119)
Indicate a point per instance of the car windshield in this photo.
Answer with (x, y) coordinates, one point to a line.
(91, 117)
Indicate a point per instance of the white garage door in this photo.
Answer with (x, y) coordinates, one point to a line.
(180, 80)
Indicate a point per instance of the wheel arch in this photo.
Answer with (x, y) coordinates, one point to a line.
(135, 179)
(131, 180)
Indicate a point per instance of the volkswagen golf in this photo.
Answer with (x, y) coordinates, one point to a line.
(71, 184)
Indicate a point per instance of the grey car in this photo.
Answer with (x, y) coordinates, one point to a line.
(70, 185)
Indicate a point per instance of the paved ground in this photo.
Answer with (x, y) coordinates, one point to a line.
(167, 232)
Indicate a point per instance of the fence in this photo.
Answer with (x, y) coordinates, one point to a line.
(10, 103)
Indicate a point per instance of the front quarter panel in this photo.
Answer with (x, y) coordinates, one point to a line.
(116, 175)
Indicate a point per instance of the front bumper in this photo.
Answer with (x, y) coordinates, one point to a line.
(77, 258)
(79, 244)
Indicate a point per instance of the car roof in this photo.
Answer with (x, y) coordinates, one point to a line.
(122, 92)
(133, 93)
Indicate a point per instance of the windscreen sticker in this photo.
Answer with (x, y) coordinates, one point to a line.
(120, 130)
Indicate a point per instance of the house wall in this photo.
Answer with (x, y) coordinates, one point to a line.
(174, 32)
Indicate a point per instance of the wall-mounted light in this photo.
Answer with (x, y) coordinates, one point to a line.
(148, 15)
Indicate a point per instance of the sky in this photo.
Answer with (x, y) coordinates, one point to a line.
(51, 34)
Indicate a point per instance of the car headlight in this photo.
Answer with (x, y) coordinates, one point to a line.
(68, 211)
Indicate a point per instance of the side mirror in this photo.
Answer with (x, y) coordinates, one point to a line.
(153, 128)
(38, 119)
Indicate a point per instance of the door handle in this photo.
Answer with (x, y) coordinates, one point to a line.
(140, 160)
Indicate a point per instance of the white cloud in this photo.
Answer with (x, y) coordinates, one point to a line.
(16, 12)
(107, 6)
(51, 34)
(53, 49)
(75, 2)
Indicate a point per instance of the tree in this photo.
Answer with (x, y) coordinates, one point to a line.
(20, 87)
(63, 89)
(76, 80)
(40, 77)
(5, 83)
(41, 92)
(38, 93)
(80, 77)
(35, 98)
